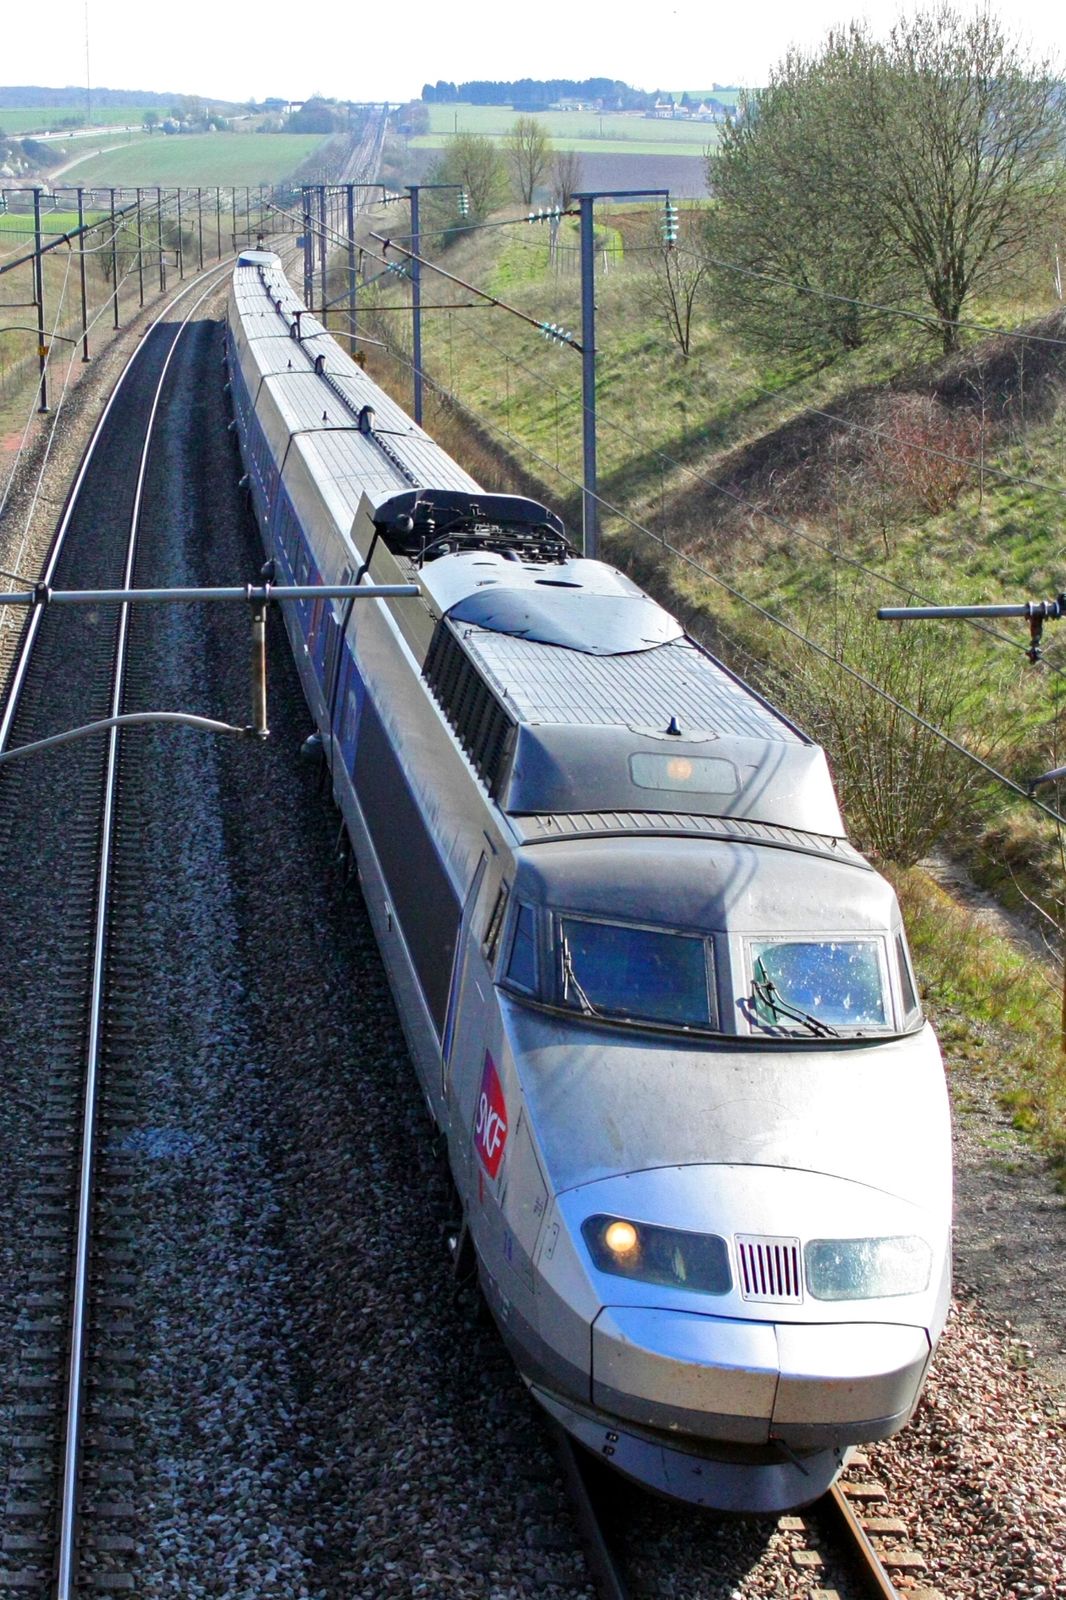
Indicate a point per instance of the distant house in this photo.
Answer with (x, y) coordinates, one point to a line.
(709, 111)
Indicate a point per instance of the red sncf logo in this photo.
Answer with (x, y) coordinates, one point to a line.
(490, 1119)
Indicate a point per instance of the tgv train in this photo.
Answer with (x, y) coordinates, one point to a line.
(662, 1011)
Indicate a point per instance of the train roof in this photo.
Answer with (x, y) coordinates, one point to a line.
(574, 693)
(321, 394)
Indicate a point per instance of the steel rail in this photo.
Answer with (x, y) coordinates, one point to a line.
(17, 678)
(841, 1513)
(606, 1573)
(68, 1506)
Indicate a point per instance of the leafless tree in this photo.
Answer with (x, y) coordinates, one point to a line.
(675, 282)
(566, 177)
(877, 173)
(964, 139)
(529, 156)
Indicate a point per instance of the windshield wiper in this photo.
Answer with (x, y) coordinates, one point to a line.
(570, 982)
(767, 994)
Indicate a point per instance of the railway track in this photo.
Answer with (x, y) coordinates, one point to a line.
(70, 912)
(834, 1543)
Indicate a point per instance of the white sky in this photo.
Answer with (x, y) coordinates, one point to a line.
(363, 49)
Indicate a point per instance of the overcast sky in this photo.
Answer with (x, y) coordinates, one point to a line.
(363, 51)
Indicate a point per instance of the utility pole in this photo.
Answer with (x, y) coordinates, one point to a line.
(114, 256)
(81, 274)
(309, 260)
(590, 522)
(415, 271)
(350, 219)
(322, 252)
(159, 238)
(140, 255)
(38, 295)
(416, 302)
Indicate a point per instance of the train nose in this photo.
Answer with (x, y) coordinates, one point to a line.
(751, 1382)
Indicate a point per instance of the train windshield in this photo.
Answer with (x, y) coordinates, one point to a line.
(819, 986)
(613, 969)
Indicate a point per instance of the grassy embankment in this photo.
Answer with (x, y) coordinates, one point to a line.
(18, 340)
(796, 493)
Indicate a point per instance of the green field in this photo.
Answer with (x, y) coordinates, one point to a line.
(602, 147)
(587, 131)
(18, 120)
(198, 158)
(20, 224)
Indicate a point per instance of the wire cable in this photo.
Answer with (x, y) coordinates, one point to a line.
(762, 511)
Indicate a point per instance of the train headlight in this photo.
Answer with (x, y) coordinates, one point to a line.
(621, 1239)
(867, 1269)
(648, 1254)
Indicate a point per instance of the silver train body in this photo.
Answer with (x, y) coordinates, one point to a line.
(661, 1010)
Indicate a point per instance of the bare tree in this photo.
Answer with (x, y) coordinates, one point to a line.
(566, 178)
(963, 137)
(796, 263)
(529, 156)
(873, 174)
(675, 282)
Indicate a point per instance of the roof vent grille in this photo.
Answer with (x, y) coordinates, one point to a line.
(768, 1268)
(484, 727)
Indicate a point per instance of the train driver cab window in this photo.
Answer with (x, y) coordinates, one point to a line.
(522, 961)
(820, 987)
(614, 969)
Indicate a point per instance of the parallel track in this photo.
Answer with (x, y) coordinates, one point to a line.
(65, 1523)
(852, 1550)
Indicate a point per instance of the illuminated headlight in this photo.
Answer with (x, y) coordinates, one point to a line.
(867, 1269)
(638, 1250)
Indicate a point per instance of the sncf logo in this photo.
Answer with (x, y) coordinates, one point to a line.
(490, 1119)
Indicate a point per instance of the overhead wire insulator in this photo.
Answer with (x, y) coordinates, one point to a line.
(669, 226)
(464, 203)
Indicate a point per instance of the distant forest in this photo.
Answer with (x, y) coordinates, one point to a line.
(536, 94)
(33, 95)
